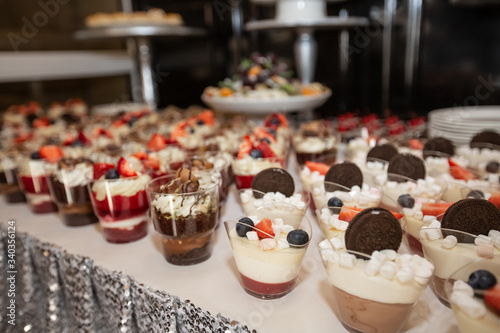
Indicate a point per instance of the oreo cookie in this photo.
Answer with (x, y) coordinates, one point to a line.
(373, 229)
(273, 180)
(438, 145)
(383, 152)
(485, 139)
(406, 165)
(474, 216)
(346, 174)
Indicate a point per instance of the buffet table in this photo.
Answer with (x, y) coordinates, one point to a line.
(135, 282)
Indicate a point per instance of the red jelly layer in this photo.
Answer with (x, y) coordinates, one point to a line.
(44, 207)
(35, 185)
(122, 235)
(267, 288)
(120, 207)
(243, 181)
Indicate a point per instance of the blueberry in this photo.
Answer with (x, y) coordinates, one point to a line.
(335, 202)
(297, 237)
(272, 132)
(267, 140)
(52, 121)
(255, 153)
(191, 130)
(200, 122)
(36, 156)
(482, 280)
(406, 201)
(77, 143)
(30, 118)
(243, 226)
(476, 194)
(132, 121)
(112, 174)
(492, 167)
(275, 121)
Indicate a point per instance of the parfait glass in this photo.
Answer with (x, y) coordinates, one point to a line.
(245, 169)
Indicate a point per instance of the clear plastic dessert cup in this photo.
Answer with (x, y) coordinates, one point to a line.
(472, 313)
(374, 295)
(8, 182)
(292, 208)
(185, 220)
(449, 250)
(245, 169)
(69, 191)
(364, 197)
(313, 148)
(121, 205)
(371, 168)
(267, 259)
(32, 180)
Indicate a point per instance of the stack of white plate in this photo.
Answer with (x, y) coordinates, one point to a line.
(460, 124)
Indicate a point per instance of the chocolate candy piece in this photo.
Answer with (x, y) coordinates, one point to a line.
(406, 165)
(438, 145)
(383, 152)
(475, 216)
(485, 139)
(273, 180)
(373, 229)
(346, 174)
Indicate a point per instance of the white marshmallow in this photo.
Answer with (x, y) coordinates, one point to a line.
(390, 254)
(277, 230)
(255, 219)
(428, 218)
(286, 228)
(337, 243)
(268, 244)
(449, 242)
(422, 274)
(278, 221)
(252, 235)
(408, 212)
(418, 215)
(372, 267)
(330, 255)
(496, 241)
(347, 260)
(404, 275)
(469, 305)
(325, 244)
(485, 251)
(430, 233)
(482, 239)
(388, 270)
(379, 256)
(493, 233)
(283, 244)
(463, 287)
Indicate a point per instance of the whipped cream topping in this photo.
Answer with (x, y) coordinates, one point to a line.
(273, 197)
(126, 187)
(75, 176)
(169, 154)
(191, 141)
(7, 163)
(182, 205)
(123, 224)
(250, 166)
(316, 144)
(387, 277)
(33, 168)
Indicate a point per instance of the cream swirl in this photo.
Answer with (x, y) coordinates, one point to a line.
(76, 176)
(181, 205)
(250, 166)
(126, 187)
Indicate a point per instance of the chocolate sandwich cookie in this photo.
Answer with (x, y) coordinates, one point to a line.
(346, 174)
(437, 147)
(474, 216)
(373, 229)
(406, 165)
(383, 152)
(486, 139)
(273, 180)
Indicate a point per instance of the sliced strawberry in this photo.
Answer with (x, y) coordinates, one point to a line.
(322, 168)
(435, 208)
(261, 133)
(495, 199)
(141, 155)
(157, 142)
(98, 131)
(245, 147)
(266, 150)
(459, 172)
(207, 116)
(41, 122)
(69, 139)
(21, 138)
(125, 168)
(265, 228)
(492, 297)
(83, 138)
(283, 120)
(119, 123)
(415, 144)
(51, 153)
(101, 168)
(179, 131)
(347, 213)
(151, 163)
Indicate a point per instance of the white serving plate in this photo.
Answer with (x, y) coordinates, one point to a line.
(115, 108)
(259, 106)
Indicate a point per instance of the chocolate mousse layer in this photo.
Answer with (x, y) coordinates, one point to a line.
(303, 157)
(363, 315)
(10, 188)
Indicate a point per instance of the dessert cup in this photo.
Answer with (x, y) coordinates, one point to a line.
(469, 307)
(185, 220)
(364, 197)
(69, 190)
(121, 205)
(313, 148)
(32, 180)
(371, 168)
(374, 295)
(448, 255)
(267, 272)
(8, 182)
(245, 169)
(278, 205)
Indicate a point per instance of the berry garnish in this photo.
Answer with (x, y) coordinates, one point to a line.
(406, 201)
(322, 168)
(492, 297)
(335, 202)
(476, 194)
(265, 149)
(51, 153)
(35, 156)
(243, 226)
(125, 169)
(157, 142)
(112, 174)
(100, 169)
(266, 140)
(265, 228)
(482, 280)
(297, 237)
(255, 153)
(493, 167)
(77, 143)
